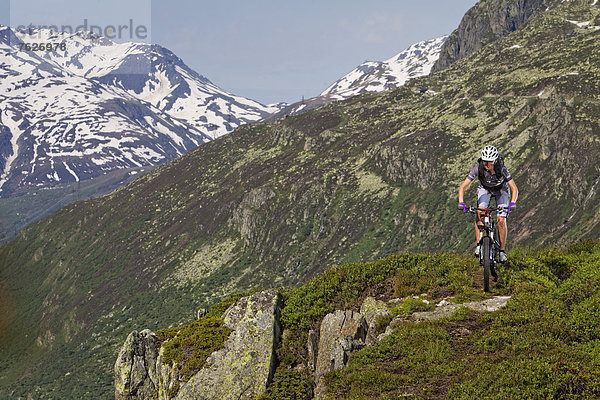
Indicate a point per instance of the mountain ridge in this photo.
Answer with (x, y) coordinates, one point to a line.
(483, 24)
(417, 60)
(373, 76)
(130, 72)
(130, 107)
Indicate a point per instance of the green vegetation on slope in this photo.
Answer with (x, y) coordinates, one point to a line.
(544, 344)
(275, 204)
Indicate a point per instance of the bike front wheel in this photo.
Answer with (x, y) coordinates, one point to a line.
(487, 262)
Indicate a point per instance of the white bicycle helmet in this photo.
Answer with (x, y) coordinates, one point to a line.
(489, 153)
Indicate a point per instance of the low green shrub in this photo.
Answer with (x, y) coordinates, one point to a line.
(407, 283)
(509, 354)
(411, 305)
(584, 246)
(412, 358)
(344, 287)
(543, 344)
(288, 384)
(584, 282)
(575, 380)
(520, 378)
(585, 319)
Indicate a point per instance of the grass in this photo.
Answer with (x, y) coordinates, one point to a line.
(543, 344)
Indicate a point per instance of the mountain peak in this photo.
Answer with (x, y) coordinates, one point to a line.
(417, 60)
(130, 105)
(485, 22)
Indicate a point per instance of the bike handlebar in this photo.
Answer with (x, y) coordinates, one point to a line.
(473, 210)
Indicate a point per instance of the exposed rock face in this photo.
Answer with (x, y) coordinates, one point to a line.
(486, 22)
(342, 332)
(136, 367)
(248, 217)
(445, 309)
(373, 309)
(139, 370)
(244, 367)
(313, 349)
(241, 370)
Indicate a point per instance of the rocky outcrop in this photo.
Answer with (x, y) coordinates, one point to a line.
(445, 309)
(245, 365)
(248, 217)
(242, 369)
(486, 22)
(342, 332)
(139, 370)
(372, 310)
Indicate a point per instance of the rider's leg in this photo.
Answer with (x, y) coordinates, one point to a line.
(502, 202)
(478, 223)
(502, 232)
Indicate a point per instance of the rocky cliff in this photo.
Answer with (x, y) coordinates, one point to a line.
(487, 21)
(241, 369)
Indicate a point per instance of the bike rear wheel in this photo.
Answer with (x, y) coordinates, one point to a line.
(487, 262)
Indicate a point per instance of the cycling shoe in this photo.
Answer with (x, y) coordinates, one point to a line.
(502, 257)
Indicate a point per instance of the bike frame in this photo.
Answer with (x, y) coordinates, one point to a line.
(489, 245)
(489, 226)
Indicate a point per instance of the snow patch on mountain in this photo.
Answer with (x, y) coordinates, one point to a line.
(153, 74)
(96, 106)
(7, 118)
(377, 76)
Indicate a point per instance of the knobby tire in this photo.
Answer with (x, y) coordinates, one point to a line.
(487, 262)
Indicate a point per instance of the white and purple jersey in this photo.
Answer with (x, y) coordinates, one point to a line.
(492, 186)
(490, 180)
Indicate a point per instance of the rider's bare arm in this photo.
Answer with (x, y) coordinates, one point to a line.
(461, 189)
(514, 192)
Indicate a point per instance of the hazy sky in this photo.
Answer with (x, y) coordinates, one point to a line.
(267, 50)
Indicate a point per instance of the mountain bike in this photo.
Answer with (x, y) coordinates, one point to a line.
(489, 246)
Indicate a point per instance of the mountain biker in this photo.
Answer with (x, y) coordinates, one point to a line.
(494, 181)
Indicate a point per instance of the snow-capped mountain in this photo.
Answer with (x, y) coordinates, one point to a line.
(154, 74)
(96, 106)
(375, 76)
(378, 76)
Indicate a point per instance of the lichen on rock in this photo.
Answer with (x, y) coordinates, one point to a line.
(135, 369)
(342, 333)
(245, 365)
(242, 369)
(372, 310)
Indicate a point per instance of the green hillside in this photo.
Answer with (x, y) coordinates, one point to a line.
(276, 204)
(19, 211)
(543, 345)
